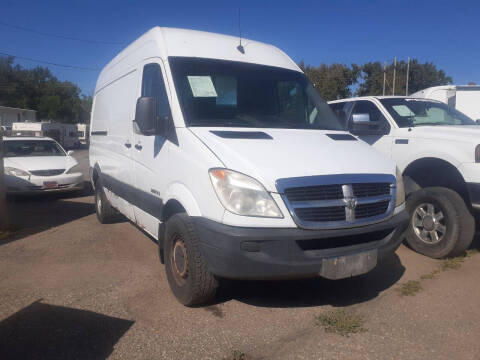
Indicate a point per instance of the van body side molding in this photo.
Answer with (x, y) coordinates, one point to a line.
(147, 202)
(99, 133)
(401, 141)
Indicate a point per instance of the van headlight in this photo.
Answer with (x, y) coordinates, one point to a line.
(243, 195)
(15, 172)
(400, 198)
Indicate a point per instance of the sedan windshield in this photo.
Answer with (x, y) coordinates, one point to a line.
(236, 94)
(29, 148)
(418, 112)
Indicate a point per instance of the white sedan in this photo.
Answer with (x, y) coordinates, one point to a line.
(39, 164)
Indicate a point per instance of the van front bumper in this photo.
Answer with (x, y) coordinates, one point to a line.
(282, 253)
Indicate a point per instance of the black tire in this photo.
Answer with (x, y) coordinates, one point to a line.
(453, 223)
(106, 214)
(190, 281)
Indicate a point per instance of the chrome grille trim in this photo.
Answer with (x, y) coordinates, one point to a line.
(50, 172)
(350, 185)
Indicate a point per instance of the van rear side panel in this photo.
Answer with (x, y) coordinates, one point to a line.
(112, 137)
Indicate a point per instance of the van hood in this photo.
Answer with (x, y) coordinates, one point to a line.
(273, 154)
(40, 162)
(462, 133)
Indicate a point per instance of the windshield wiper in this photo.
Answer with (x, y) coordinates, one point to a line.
(431, 124)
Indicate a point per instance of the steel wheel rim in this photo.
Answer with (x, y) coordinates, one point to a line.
(428, 223)
(179, 260)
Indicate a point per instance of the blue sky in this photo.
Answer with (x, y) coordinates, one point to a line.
(445, 32)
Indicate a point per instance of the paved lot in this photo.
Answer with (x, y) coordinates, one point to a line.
(72, 288)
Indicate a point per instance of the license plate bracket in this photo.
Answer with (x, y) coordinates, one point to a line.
(50, 185)
(341, 267)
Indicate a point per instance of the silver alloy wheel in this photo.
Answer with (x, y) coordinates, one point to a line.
(428, 223)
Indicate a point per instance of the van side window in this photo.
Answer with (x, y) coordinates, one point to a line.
(154, 86)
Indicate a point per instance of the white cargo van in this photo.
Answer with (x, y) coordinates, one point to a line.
(231, 160)
(464, 98)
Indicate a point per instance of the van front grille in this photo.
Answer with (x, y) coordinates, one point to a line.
(350, 201)
(51, 172)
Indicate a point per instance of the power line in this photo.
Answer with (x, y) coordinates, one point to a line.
(51, 63)
(58, 36)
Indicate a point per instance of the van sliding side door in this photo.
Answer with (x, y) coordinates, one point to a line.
(151, 152)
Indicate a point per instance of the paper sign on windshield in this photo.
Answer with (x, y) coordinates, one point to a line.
(202, 86)
(402, 110)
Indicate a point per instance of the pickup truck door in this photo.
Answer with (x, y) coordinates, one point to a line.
(380, 140)
(151, 151)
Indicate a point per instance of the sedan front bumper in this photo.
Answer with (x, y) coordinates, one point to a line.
(42, 184)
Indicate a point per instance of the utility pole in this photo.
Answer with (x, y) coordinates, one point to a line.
(394, 74)
(384, 76)
(4, 219)
(408, 73)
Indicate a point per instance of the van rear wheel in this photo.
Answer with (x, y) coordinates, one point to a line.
(187, 273)
(440, 223)
(106, 214)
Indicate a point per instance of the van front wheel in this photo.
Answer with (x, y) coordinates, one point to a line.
(440, 223)
(187, 273)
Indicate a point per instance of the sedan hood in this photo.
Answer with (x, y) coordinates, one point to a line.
(272, 154)
(33, 163)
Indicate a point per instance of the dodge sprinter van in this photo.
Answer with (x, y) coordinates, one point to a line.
(228, 156)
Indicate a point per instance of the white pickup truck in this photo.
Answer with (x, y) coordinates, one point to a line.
(437, 149)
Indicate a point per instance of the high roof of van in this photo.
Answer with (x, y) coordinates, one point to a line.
(164, 42)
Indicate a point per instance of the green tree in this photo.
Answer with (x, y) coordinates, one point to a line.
(421, 76)
(332, 81)
(40, 90)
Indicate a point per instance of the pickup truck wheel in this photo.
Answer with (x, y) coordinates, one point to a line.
(187, 273)
(440, 223)
(106, 214)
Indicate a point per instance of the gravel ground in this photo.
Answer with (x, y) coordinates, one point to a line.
(72, 288)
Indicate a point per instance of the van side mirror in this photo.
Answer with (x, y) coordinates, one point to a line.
(70, 152)
(362, 125)
(477, 121)
(146, 115)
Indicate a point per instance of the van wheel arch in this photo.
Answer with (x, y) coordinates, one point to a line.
(171, 208)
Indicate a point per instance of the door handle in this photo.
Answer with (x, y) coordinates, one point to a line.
(138, 147)
(128, 145)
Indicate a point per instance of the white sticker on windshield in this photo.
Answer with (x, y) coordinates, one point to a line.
(403, 110)
(202, 86)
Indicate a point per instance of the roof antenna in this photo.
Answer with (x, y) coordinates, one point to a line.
(240, 46)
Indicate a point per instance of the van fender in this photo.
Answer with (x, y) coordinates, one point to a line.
(179, 192)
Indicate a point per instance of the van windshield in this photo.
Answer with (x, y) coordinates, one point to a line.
(418, 112)
(236, 94)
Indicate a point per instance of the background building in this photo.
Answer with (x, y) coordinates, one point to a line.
(9, 115)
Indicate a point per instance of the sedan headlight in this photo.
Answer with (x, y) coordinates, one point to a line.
(400, 198)
(74, 169)
(243, 195)
(15, 172)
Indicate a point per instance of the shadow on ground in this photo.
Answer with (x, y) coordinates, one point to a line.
(35, 213)
(318, 291)
(42, 331)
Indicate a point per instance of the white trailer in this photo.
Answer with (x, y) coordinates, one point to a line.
(65, 134)
(464, 98)
(83, 131)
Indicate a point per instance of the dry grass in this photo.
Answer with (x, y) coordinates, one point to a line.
(452, 263)
(340, 322)
(238, 355)
(472, 252)
(430, 275)
(410, 288)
